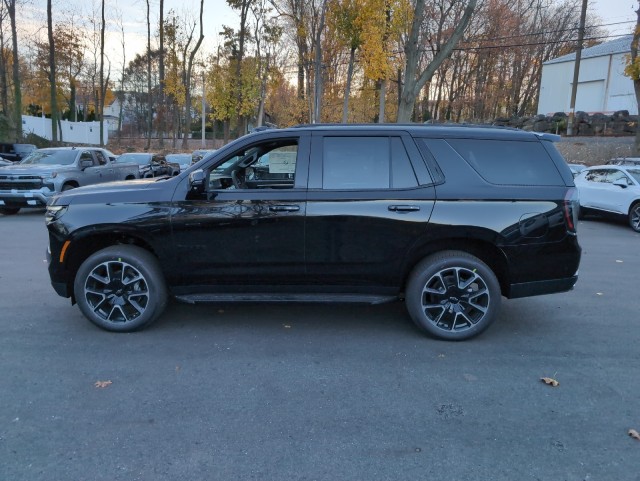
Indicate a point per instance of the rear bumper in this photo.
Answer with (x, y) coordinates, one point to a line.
(537, 288)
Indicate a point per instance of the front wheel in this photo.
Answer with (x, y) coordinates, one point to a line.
(634, 217)
(452, 295)
(121, 288)
(9, 210)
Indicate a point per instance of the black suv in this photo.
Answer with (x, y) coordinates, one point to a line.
(450, 219)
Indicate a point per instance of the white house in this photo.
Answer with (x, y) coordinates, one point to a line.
(602, 85)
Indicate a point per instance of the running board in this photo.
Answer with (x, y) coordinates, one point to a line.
(284, 298)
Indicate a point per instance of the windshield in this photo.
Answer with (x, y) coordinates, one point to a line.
(635, 173)
(179, 158)
(134, 158)
(51, 157)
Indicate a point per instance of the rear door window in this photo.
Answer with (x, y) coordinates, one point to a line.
(353, 163)
(508, 162)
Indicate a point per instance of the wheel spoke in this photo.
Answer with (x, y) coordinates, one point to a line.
(99, 278)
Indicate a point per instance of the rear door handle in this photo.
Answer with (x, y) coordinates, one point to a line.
(284, 208)
(404, 208)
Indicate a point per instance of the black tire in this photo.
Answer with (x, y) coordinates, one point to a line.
(121, 288)
(582, 212)
(9, 210)
(634, 217)
(66, 187)
(452, 295)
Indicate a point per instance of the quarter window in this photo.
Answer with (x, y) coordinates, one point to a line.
(509, 162)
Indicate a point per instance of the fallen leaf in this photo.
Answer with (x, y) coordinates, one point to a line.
(618, 261)
(102, 384)
(634, 434)
(598, 293)
(550, 381)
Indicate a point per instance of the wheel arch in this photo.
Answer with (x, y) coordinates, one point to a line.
(71, 183)
(86, 244)
(484, 250)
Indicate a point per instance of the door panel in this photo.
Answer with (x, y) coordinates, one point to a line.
(360, 236)
(252, 236)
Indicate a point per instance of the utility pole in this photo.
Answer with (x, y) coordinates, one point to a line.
(576, 70)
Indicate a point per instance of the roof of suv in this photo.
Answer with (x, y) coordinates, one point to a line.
(432, 130)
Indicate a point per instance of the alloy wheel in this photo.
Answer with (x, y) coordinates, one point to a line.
(116, 292)
(455, 299)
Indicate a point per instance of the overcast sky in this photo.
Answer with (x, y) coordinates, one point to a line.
(613, 13)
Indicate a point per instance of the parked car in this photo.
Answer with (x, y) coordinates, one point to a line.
(611, 189)
(149, 164)
(4, 162)
(45, 172)
(197, 155)
(450, 219)
(634, 161)
(183, 160)
(15, 152)
(576, 168)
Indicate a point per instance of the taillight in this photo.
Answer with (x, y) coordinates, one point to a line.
(570, 208)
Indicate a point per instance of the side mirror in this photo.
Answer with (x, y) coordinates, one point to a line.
(197, 180)
(621, 183)
(84, 163)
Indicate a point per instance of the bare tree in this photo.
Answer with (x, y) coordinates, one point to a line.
(161, 103)
(150, 98)
(17, 92)
(415, 80)
(194, 51)
(52, 75)
(103, 87)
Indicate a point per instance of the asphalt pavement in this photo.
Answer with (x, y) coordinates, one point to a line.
(321, 392)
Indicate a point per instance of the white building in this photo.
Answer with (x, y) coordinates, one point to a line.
(602, 85)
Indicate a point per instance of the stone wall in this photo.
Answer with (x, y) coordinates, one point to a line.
(620, 123)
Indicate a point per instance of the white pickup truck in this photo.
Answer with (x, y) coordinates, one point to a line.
(46, 172)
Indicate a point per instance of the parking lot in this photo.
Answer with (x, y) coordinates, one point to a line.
(321, 392)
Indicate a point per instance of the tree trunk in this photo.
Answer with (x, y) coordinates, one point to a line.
(226, 131)
(317, 111)
(161, 101)
(347, 89)
(17, 90)
(187, 119)
(103, 87)
(150, 98)
(52, 76)
(382, 100)
(4, 87)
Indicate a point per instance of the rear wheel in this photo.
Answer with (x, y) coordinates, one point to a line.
(634, 217)
(9, 210)
(66, 187)
(121, 288)
(453, 295)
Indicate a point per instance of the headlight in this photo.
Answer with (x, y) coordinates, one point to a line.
(49, 176)
(54, 212)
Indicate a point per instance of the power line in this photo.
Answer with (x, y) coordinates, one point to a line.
(533, 44)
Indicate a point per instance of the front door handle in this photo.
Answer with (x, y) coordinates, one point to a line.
(404, 208)
(284, 208)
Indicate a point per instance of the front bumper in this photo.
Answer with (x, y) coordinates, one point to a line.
(31, 198)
